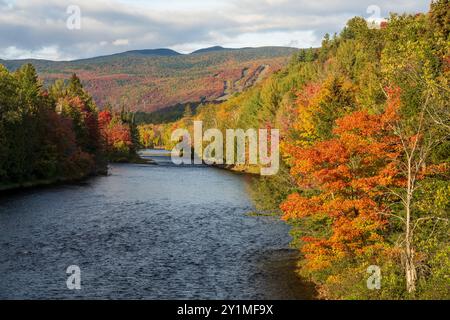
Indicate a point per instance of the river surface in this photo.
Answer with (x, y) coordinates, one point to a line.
(145, 232)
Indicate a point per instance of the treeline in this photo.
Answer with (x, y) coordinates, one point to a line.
(49, 135)
(166, 115)
(158, 135)
(365, 145)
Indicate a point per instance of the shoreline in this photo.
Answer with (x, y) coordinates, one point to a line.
(42, 183)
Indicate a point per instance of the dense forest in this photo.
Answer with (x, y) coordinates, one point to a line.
(365, 146)
(56, 134)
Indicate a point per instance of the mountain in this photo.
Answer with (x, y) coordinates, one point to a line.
(211, 49)
(149, 80)
(152, 52)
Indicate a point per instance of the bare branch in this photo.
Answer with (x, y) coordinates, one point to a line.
(429, 218)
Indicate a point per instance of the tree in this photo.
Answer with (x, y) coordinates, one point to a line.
(45, 135)
(440, 16)
(319, 105)
(187, 112)
(343, 180)
(414, 60)
(117, 136)
(418, 138)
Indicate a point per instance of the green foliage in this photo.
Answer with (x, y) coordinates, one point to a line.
(440, 17)
(269, 192)
(165, 115)
(36, 142)
(356, 71)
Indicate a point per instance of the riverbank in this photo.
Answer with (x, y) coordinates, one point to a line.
(137, 159)
(11, 187)
(278, 267)
(30, 184)
(243, 169)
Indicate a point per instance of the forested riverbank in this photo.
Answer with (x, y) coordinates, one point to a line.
(56, 134)
(365, 181)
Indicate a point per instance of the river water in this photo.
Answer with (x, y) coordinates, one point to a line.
(145, 232)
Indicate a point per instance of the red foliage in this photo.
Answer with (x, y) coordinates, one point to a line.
(119, 133)
(113, 131)
(350, 171)
(104, 119)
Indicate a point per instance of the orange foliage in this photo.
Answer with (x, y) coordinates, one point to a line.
(113, 131)
(349, 173)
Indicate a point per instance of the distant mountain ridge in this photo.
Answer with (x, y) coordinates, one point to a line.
(153, 52)
(210, 49)
(152, 79)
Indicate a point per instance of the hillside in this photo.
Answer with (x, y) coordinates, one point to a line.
(149, 80)
(364, 179)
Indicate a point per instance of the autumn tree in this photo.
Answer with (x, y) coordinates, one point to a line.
(345, 177)
(45, 135)
(117, 136)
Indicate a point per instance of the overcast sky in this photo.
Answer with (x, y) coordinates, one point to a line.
(39, 28)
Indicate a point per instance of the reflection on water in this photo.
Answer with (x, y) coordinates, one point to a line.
(145, 232)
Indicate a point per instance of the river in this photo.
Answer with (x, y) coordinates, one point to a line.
(145, 232)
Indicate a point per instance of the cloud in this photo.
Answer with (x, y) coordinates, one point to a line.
(38, 28)
(49, 53)
(121, 42)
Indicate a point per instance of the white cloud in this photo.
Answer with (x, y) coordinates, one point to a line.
(48, 53)
(121, 42)
(37, 28)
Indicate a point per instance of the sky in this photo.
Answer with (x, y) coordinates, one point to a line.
(75, 29)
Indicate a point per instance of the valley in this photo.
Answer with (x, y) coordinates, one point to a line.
(150, 80)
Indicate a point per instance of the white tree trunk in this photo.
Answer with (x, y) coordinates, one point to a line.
(410, 268)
